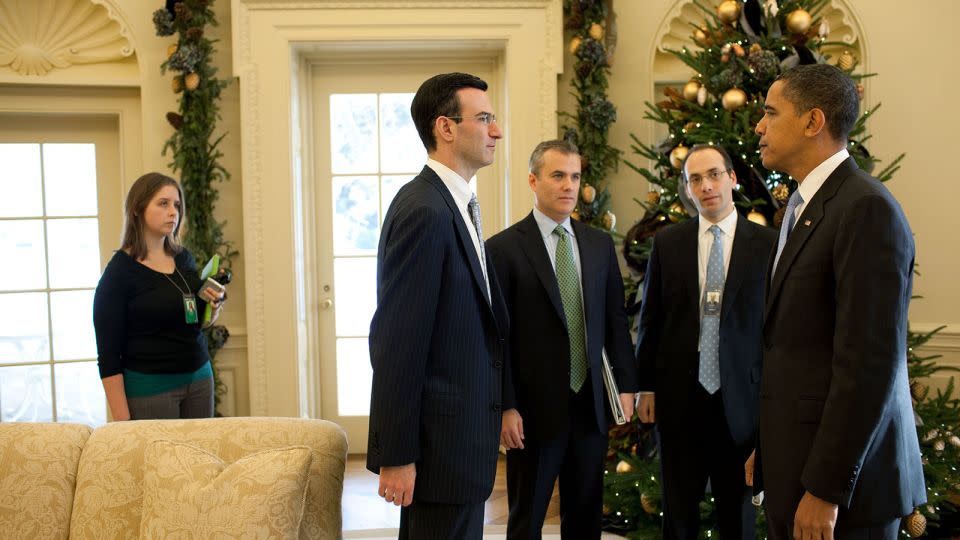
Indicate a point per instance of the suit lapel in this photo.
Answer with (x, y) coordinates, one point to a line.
(806, 224)
(533, 247)
(689, 269)
(466, 240)
(589, 261)
(739, 259)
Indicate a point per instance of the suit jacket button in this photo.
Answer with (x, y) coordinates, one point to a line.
(498, 364)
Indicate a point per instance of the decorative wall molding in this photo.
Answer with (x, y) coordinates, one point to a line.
(268, 38)
(38, 36)
(675, 31)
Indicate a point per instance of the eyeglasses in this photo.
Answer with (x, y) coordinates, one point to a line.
(484, 118)
(714, 175)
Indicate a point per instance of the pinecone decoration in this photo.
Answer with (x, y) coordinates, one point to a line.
(916, 524)
(647, 503)
(781, 193)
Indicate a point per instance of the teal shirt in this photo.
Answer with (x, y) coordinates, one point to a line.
(137, 384)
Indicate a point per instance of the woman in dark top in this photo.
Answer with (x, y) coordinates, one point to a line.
(148, 310)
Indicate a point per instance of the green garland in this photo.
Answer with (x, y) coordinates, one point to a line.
(194, 148)
(592, 43)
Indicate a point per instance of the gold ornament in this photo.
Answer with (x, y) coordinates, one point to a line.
(575, 215)
(653, 197)
(647, 503)
(702, 95)
(624, 467)
(733, 99)
(575, 44)
(939, 446)
(757, 218)
(799, 21)
(676, 210)
(609, 220)
(738, 50)
(954, 441)
(677, 155)
(191, 81)
(755, 48)
(846, 61)
(177, 84)
(172, 48)
(690, 126)
(701, 37)
(596, 31)
(781, 193)
(916, 524)
(728, 11)
(725, 57)
(588, 193)
(931, 435)
(690, 90)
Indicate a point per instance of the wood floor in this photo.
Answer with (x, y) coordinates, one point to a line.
(363, 509)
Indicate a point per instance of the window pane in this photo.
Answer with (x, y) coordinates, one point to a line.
(70, 179)
(72, 314)
(355, 282)
(80, 395)
(354, 377)
(74, 252)
(353, 133)
(25, 394)
(355, 218)
(20, 180)
(388, 190)
(21, 247)
(400, 146)
(23, 328)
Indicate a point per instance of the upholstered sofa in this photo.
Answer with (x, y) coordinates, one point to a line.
(68, 481)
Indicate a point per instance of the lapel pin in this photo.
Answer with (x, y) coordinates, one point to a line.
(806, 223)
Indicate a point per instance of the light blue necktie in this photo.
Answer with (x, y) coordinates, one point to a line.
(789, 219)
(572, 298)
(710, 323)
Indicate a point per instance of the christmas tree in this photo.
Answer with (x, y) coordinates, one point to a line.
(741, 46)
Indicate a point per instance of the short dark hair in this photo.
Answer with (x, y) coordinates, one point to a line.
(825, 87)
(564, 147)
(727, 162)
(141, 193)
(437, 97)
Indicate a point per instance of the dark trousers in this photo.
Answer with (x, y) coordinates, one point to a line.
(437, 521)
(576, 456)
(780, 528)
(194, 400)
(691, 454)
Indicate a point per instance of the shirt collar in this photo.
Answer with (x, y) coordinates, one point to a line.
(808, 188)
(461, 190)
(547, 225)
(728, 224)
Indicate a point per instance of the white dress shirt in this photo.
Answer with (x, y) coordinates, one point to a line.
(728, 227)
(811, 184)
(462, 190)
(550, 240)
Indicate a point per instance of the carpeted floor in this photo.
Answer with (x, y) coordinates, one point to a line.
(490, 532)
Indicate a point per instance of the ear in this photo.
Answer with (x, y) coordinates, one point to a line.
(816, 123)
(733, 176)
(532, 181)
(443, 129)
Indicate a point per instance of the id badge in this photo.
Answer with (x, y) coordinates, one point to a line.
(712, 304)
(190, 309)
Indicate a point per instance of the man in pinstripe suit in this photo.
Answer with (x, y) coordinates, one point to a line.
(437, 337)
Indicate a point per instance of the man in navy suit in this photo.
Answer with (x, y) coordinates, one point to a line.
(699, 350)
(838, 453)
(437, 339)
(564, 294)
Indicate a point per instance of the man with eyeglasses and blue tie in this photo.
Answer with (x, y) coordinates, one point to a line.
(699, 350)
(437, 339)
(838, 455)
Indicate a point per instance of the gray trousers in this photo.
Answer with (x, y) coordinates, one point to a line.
(194, 400)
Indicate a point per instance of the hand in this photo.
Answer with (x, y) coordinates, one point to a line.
(627, 401)
(396, 484)
(646, 408)
(511, 431)
(748, 468)
(213, 298)
(815, 518)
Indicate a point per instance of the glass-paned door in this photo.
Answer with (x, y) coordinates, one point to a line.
(366, 149)
(50, 244)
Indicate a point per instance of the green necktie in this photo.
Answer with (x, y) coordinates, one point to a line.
(572, 299)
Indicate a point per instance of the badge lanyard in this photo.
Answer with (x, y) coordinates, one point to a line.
(189, 300)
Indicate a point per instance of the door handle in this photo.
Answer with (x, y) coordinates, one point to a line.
(326, 304)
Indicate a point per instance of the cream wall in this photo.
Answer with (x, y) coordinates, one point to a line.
(909, 47)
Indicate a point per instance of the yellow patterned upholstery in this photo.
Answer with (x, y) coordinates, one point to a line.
(38, 473)
(108, 496)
